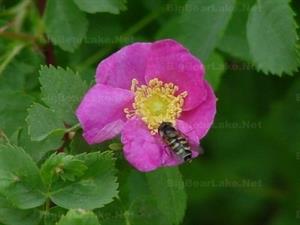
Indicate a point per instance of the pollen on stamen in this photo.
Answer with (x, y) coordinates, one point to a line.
(155, 103)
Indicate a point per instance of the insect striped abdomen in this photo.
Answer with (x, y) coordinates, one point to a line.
(175, 141)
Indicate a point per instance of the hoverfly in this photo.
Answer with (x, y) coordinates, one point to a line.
(175, 140)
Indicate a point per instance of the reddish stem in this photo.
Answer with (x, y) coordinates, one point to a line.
(41, 6)
(47, 49)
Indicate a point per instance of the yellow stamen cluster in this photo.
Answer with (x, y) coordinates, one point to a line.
(155, 103)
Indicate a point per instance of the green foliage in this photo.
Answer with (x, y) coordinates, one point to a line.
(200, 38)
(235, 41)
(38, 149)
(79, 217)
(154, 198)
(62, 166)
(58, 94)
(144, 211)
(10, 215)
(113, 213)
(167, 188)
(53, 215)
(19, 75)
(69, 27)
(215, 67)
(93, 6)
(43, 122)
(13, 107)
(273, 37)
(62, 99)
(95, 188)
(20, 180)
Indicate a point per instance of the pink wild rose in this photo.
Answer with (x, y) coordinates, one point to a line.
(138, 88)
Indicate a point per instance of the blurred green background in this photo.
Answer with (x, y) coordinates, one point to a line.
(249, 173)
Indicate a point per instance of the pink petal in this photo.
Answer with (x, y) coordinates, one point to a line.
(169, 61)
(147, 152)
(141, 149)
(203, 116)
(101, 112)
(119, 69)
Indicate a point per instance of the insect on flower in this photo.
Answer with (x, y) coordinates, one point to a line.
(155, 96)
(175, 140)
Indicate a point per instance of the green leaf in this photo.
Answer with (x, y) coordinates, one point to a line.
(200, 29)
(215, 68)
(52, 216)
(66, 25)
(93, 6)
(137, 204)
(103, 29)
(283, 118)
(38, 149)
(20, 180)
(63, 167)
(79, 145)
(20, 74)
(10, 215)
(113, 213)
(145, 211)
(3, 138)
(79, 217)
(97, 187)
(167, 187)
(234, 41)
(62, 91)
(43, 122)
(13, 107)
(142, 210)
(272, 37)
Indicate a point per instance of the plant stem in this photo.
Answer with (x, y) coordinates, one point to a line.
(73, 128)
(20, 12)
(47, 48)
(94, 58)
(17, 36)
(47, 205)
(3, 135)
(126, 215)
(143, 22)
(9, 57)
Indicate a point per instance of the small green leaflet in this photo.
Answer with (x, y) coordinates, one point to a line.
(42, 122)
(62, 100)
(200, 29)
(79, 217)
(94, 6)
(59, 94)
(234, 41)
(20, 180)
(62, 167)
(66, 25)
(273, 37)
(95, 188)
(37, 149)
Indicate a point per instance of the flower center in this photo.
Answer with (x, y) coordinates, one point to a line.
(155, 103)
